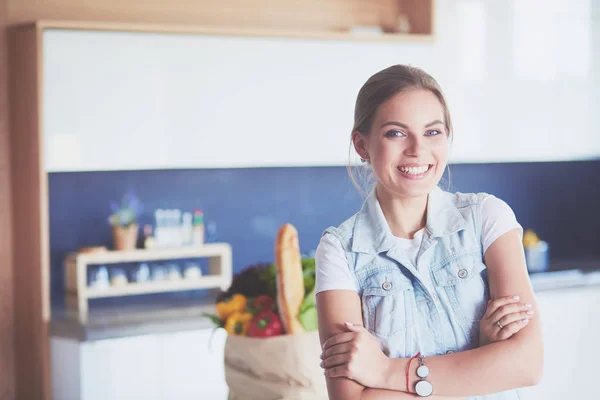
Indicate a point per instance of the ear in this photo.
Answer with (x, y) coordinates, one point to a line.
(360, 144)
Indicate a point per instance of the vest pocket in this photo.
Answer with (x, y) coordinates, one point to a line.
(464, 280)
(386, 302)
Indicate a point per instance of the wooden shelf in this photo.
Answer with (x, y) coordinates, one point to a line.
(114, 257)
(308, 19)
(204, 282)
(76, 265)
(235, 31)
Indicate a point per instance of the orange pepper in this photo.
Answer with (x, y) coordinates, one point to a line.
(238, 323)
(236, 303)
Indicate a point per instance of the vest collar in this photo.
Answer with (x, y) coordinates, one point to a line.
(373, 235)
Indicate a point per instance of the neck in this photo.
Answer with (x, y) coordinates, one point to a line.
(405, 216)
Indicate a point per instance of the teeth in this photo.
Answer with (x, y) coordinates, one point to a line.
(415, 170)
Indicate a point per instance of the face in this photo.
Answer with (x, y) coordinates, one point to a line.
(408, 144)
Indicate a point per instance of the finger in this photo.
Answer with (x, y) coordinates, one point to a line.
(334, 361)
(354, 327)
(338, 349)
(338, 372)
(516, 316)
(338, 339)
(493, 305)
(507, 309)
(513, 328)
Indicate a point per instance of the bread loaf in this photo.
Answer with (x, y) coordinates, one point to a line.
(290, 281)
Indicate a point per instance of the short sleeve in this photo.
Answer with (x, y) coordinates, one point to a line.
(332, 272)
(497, 218)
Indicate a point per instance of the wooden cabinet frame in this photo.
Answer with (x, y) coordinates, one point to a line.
(30, 217)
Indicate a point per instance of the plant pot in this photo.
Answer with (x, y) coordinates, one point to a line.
(125, 237)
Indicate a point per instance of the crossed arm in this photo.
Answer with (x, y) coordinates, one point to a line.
(495, 367)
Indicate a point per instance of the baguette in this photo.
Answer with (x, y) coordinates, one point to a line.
(290, 281)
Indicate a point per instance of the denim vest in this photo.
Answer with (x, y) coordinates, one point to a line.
(397, 306)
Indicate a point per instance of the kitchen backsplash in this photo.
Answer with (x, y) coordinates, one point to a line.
(245, 207)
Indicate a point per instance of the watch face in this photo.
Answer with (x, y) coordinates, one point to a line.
(423, 371)
(423, 388)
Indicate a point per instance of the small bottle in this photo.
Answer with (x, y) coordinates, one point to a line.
(192, 271)
(187, 229)
(98, 278)
(159, 230)
(118, 277)
(171, 228)
(176, 229)
(149, 241)
(173, 272)
(142, 273)
(198, 224)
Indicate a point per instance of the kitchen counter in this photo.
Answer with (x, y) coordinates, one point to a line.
(125, 321)
(567, 274)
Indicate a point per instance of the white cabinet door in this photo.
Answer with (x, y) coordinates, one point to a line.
(570, 323)
(193, 366)
(127, 100)
(65, 369)
(121, 369)
(183, 366)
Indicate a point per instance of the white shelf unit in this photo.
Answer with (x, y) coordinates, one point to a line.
(76, 268)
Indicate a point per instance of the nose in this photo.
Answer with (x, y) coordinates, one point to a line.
(414, 145)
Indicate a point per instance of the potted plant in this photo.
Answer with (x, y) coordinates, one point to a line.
(124, 221)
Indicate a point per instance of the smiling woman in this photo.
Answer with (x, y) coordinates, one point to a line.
(418, 272)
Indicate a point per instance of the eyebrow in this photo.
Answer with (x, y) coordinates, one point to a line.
(401, 125)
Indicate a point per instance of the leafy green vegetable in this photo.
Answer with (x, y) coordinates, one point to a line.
(215, 320)
(308, 313)
(261, 278)
(308, 271)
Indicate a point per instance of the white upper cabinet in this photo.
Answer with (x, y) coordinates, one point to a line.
(132, 100)
(143, 101)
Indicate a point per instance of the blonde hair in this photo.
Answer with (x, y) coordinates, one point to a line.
(377, 90)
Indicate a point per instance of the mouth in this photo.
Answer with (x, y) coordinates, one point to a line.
(415, 171)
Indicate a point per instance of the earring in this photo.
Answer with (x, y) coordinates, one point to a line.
(365, 158)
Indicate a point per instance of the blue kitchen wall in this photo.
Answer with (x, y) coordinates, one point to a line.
(246, 206)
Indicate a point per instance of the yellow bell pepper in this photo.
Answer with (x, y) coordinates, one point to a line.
(238, 323)
(236, 303)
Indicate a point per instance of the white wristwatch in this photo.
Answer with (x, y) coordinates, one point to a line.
(423, 388)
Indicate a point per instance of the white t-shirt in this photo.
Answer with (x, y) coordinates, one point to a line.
(332, 272)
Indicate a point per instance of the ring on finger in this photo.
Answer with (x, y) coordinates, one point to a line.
(499, 324)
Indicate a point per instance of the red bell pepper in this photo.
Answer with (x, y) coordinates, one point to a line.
(265, 324)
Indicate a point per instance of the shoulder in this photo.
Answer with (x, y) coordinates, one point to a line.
(329, 243)
(332, 268)
(343, 233)
(460, 199)
(491, 207)
(482, 199)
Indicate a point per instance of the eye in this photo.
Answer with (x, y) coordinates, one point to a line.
(394, 133)
(433, 132)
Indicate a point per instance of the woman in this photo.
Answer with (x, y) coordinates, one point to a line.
(419, 276)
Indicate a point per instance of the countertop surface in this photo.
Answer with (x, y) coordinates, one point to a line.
(114, 322)
(124, 321)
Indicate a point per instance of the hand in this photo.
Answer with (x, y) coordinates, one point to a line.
(355, 355)
(504, 317)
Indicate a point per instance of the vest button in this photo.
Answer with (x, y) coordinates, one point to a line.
(462, 273)
(386, 286)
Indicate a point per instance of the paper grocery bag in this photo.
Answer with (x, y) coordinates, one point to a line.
(279, 368)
